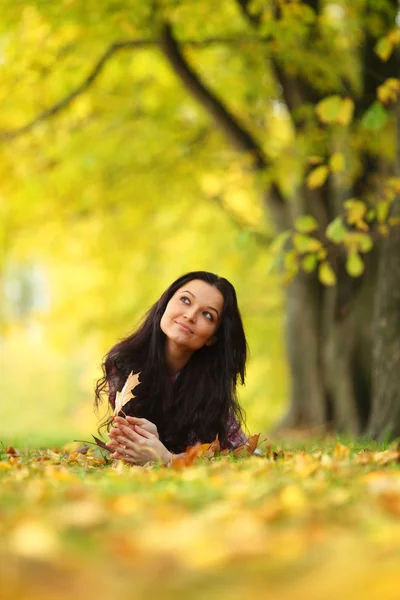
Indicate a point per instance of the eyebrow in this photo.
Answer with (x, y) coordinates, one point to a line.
(210, 307)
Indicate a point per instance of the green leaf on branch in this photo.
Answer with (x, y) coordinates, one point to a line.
(365, 242)
(384, 48)
(328, 109)
(317, 176)
(309, 263)
(370, 216)
(375, 117)
(336, 231)
(326, 274)
(306, 224)
(354, 264)
(306, 243)
(382, 211)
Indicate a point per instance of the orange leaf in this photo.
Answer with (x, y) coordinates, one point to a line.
(247, 448)
(212, 449)
(242, 450)
(252, 442)
(188, 459)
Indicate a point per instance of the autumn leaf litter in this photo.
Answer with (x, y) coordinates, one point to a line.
(284, 518)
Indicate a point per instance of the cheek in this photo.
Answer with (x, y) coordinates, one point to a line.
(207, 330)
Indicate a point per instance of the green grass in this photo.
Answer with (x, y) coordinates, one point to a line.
(275, 527)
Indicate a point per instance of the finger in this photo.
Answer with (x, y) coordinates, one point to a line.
(120, 420)
(136, 420)
(131, 434)
(143, 432)
(110, 444)
(126, 450)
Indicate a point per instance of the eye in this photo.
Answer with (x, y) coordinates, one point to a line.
(185, 300)
(208, 315)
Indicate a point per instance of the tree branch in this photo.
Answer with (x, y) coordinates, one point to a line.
(7, 135)
(237, 135)
(240, 139)
(86, 83)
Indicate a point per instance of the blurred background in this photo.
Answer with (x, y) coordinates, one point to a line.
(107, 203)
(141, 140)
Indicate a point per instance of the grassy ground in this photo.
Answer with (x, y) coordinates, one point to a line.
(315, 520)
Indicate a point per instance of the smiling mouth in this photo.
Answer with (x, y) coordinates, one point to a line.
(184, 327)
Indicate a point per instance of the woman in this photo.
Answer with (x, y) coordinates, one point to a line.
(190, 352)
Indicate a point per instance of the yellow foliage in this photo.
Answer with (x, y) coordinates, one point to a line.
(317, 176)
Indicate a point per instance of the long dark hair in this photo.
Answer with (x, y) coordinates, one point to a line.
(197, 406)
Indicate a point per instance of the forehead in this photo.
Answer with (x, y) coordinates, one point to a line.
(205, 293)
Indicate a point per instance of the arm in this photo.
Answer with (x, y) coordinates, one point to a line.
(234, 434)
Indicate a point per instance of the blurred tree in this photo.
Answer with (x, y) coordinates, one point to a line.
(300, 87)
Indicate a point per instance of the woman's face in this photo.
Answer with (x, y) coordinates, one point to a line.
(193, 314)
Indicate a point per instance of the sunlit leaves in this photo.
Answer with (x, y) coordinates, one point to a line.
(356, 211)
(306, 243)
(306, 224)
(385, 45)
(335, 109)
(309, 262)
(213, 522)
(375, 117)
(336, 230)
(337, 162)
(326, 274)
(317, 176)
(389, 90)
(354, 264)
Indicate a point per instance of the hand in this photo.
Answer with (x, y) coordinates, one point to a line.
(136, 445)
(144, 423)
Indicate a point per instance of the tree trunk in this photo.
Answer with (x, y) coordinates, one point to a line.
(328, 330)
(385, 414)
(329, 351)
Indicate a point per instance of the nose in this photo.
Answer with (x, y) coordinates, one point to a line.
(190, 314)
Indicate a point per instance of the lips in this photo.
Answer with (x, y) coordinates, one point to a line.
(184, 327)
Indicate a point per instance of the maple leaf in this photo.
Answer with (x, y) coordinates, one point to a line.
(248, 448)
(126, 393)
(252, 442)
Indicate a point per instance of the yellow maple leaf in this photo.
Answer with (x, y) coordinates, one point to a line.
(126, 393)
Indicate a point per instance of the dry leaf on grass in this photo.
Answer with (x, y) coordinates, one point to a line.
(247, 448)
(188, 458)
(210, 450)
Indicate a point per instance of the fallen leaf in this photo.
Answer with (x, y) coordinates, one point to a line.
(188, 459)
(213, 448)
(252, 442)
